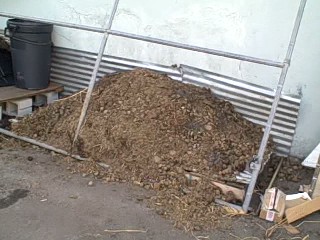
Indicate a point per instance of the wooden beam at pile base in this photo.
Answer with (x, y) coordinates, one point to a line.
(42, 145)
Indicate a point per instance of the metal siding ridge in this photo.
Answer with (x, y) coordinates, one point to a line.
(248, 90)
(260, 111)
(275, 127)
(281, 142)
(69, 63)
(211, 75)
(282, 151)
(118, 61)
(62, 69)
(248, 113)
(241, 100)
(69, 89)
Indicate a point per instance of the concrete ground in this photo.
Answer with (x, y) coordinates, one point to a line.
(40, 199)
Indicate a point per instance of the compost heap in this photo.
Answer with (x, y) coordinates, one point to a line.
(158, 133)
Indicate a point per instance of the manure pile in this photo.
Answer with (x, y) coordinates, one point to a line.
(154, 131)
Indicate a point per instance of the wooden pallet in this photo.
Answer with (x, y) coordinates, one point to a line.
(20, 102)
(14, 93)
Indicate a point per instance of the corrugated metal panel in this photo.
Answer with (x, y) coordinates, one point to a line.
(73, 69)
(252, 101)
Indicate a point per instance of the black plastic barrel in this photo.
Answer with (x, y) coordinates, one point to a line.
(31, 52)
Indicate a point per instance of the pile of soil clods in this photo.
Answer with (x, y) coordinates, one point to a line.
(156, 132)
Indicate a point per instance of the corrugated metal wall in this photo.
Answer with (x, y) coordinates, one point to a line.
(73, 69)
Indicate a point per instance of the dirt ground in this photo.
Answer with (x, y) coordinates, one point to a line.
(41, 199)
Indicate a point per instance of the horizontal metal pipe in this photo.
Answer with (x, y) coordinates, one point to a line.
(153, 40)
(197, 49)
(57, 23)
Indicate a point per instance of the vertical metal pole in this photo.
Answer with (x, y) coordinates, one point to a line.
(264, 141)
(95, 71)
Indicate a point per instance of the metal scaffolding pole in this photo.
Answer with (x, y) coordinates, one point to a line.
(264, 141)
(95, 72)
(57, 23)
(198, 49)
(156, 41)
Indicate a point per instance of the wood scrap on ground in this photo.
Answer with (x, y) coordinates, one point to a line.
(235, 193)
(300, 211)
(291, 229)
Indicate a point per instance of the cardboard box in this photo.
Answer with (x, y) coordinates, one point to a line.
(273, 205)
(270, 215)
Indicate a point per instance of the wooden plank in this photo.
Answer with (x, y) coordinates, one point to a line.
(295, 213)
(225, 189)
(316, 191)
(312, 159)
(12, 92)
(315, 185)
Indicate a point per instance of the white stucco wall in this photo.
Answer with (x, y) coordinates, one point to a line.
(258, 28)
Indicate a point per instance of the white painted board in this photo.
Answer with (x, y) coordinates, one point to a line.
(312, 159)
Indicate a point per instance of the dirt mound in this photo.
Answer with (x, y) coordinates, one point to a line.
(155, 132)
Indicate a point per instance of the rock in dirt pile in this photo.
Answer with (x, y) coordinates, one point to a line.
(158, 133)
